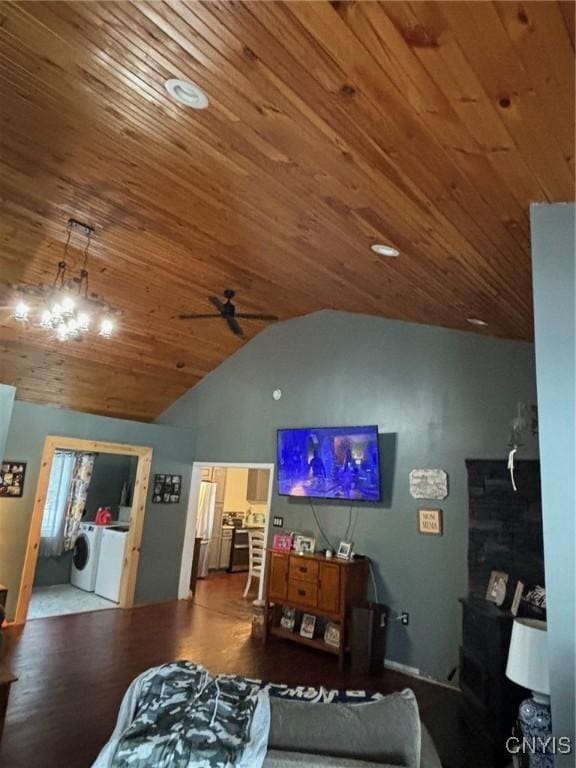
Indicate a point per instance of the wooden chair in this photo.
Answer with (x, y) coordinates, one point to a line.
(256, 557)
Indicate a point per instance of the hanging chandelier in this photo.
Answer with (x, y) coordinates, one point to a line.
(65, 308)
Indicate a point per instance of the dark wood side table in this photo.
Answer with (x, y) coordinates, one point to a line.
(6, 680)
(325, 588)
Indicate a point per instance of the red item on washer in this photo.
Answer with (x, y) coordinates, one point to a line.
(103, 516)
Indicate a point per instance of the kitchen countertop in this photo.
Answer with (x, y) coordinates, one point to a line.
(243, 527)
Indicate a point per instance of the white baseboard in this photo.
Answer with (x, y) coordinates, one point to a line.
(415, 672)
(406, 670)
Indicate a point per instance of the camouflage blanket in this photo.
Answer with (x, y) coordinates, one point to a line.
(180, 716)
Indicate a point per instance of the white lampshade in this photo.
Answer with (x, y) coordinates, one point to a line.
(528, 655)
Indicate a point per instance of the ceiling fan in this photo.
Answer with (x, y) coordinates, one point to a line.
(227, 310)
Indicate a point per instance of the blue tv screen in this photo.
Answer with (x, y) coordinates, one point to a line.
(329, 463)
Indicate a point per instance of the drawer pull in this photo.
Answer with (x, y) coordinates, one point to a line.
(302, 592)
(302, 569)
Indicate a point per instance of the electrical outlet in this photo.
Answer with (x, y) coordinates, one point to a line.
(405, 618)
(278, 522)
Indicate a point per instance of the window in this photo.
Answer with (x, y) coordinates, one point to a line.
(52, 532)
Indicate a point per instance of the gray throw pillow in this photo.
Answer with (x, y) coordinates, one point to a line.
(385, 731)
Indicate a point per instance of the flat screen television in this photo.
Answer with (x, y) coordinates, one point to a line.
(329, 463)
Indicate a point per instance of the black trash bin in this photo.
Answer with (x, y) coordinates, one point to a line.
(368, 638)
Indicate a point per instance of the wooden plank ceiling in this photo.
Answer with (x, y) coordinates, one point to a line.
(428, 126)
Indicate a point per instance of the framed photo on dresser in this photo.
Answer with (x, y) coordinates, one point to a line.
(344, 551)
(308, 625)
(282, 542)
(497, 587)
(332, 634)
(517, 597)
(288, 619)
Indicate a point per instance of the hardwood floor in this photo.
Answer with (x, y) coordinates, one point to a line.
(73, 671)
(222, 592)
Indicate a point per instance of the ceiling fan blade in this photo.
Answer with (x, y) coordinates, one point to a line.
(234, 327)
(196, 317)
(217, 303)
(250, 316)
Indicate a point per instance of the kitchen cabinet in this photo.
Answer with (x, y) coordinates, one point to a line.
(258, 480)
(226, 546)
(219, 477)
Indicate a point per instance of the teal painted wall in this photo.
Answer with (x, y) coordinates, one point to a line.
(110, 473)
(108, 476)
(6, 404)
(438, 397)
(53, 570)
(553, 268)
(164, 525)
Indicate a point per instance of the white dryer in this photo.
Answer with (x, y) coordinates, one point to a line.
(85, 557)
(111, 562)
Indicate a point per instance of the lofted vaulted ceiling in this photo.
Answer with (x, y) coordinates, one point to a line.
(429, 126)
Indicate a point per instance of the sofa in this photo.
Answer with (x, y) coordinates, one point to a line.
(279, 733)
(381, 734)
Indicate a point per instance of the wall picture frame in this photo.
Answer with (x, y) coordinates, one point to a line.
(166, 489)
(430, 522)
(12, 474)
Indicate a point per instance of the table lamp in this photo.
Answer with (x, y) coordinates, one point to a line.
(528, 666)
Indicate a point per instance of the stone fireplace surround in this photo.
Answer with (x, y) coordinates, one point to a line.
(505, 534)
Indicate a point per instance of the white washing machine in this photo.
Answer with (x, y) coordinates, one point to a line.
(111, 562)
(86, 555)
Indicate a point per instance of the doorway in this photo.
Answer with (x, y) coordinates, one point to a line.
(229, 503)
(87, 522)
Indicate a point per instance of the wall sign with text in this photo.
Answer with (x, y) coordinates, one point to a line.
(428, 484)
(430, 521)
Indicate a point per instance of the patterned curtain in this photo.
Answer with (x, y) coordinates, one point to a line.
(81, 476)
(57, 496)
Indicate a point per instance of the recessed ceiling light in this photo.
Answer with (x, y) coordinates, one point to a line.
(187, 93)
(476, 321)
(385, 250)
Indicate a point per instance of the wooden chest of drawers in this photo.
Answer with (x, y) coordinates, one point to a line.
(311, 584)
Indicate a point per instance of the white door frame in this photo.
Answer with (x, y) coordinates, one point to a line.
(190, 531)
